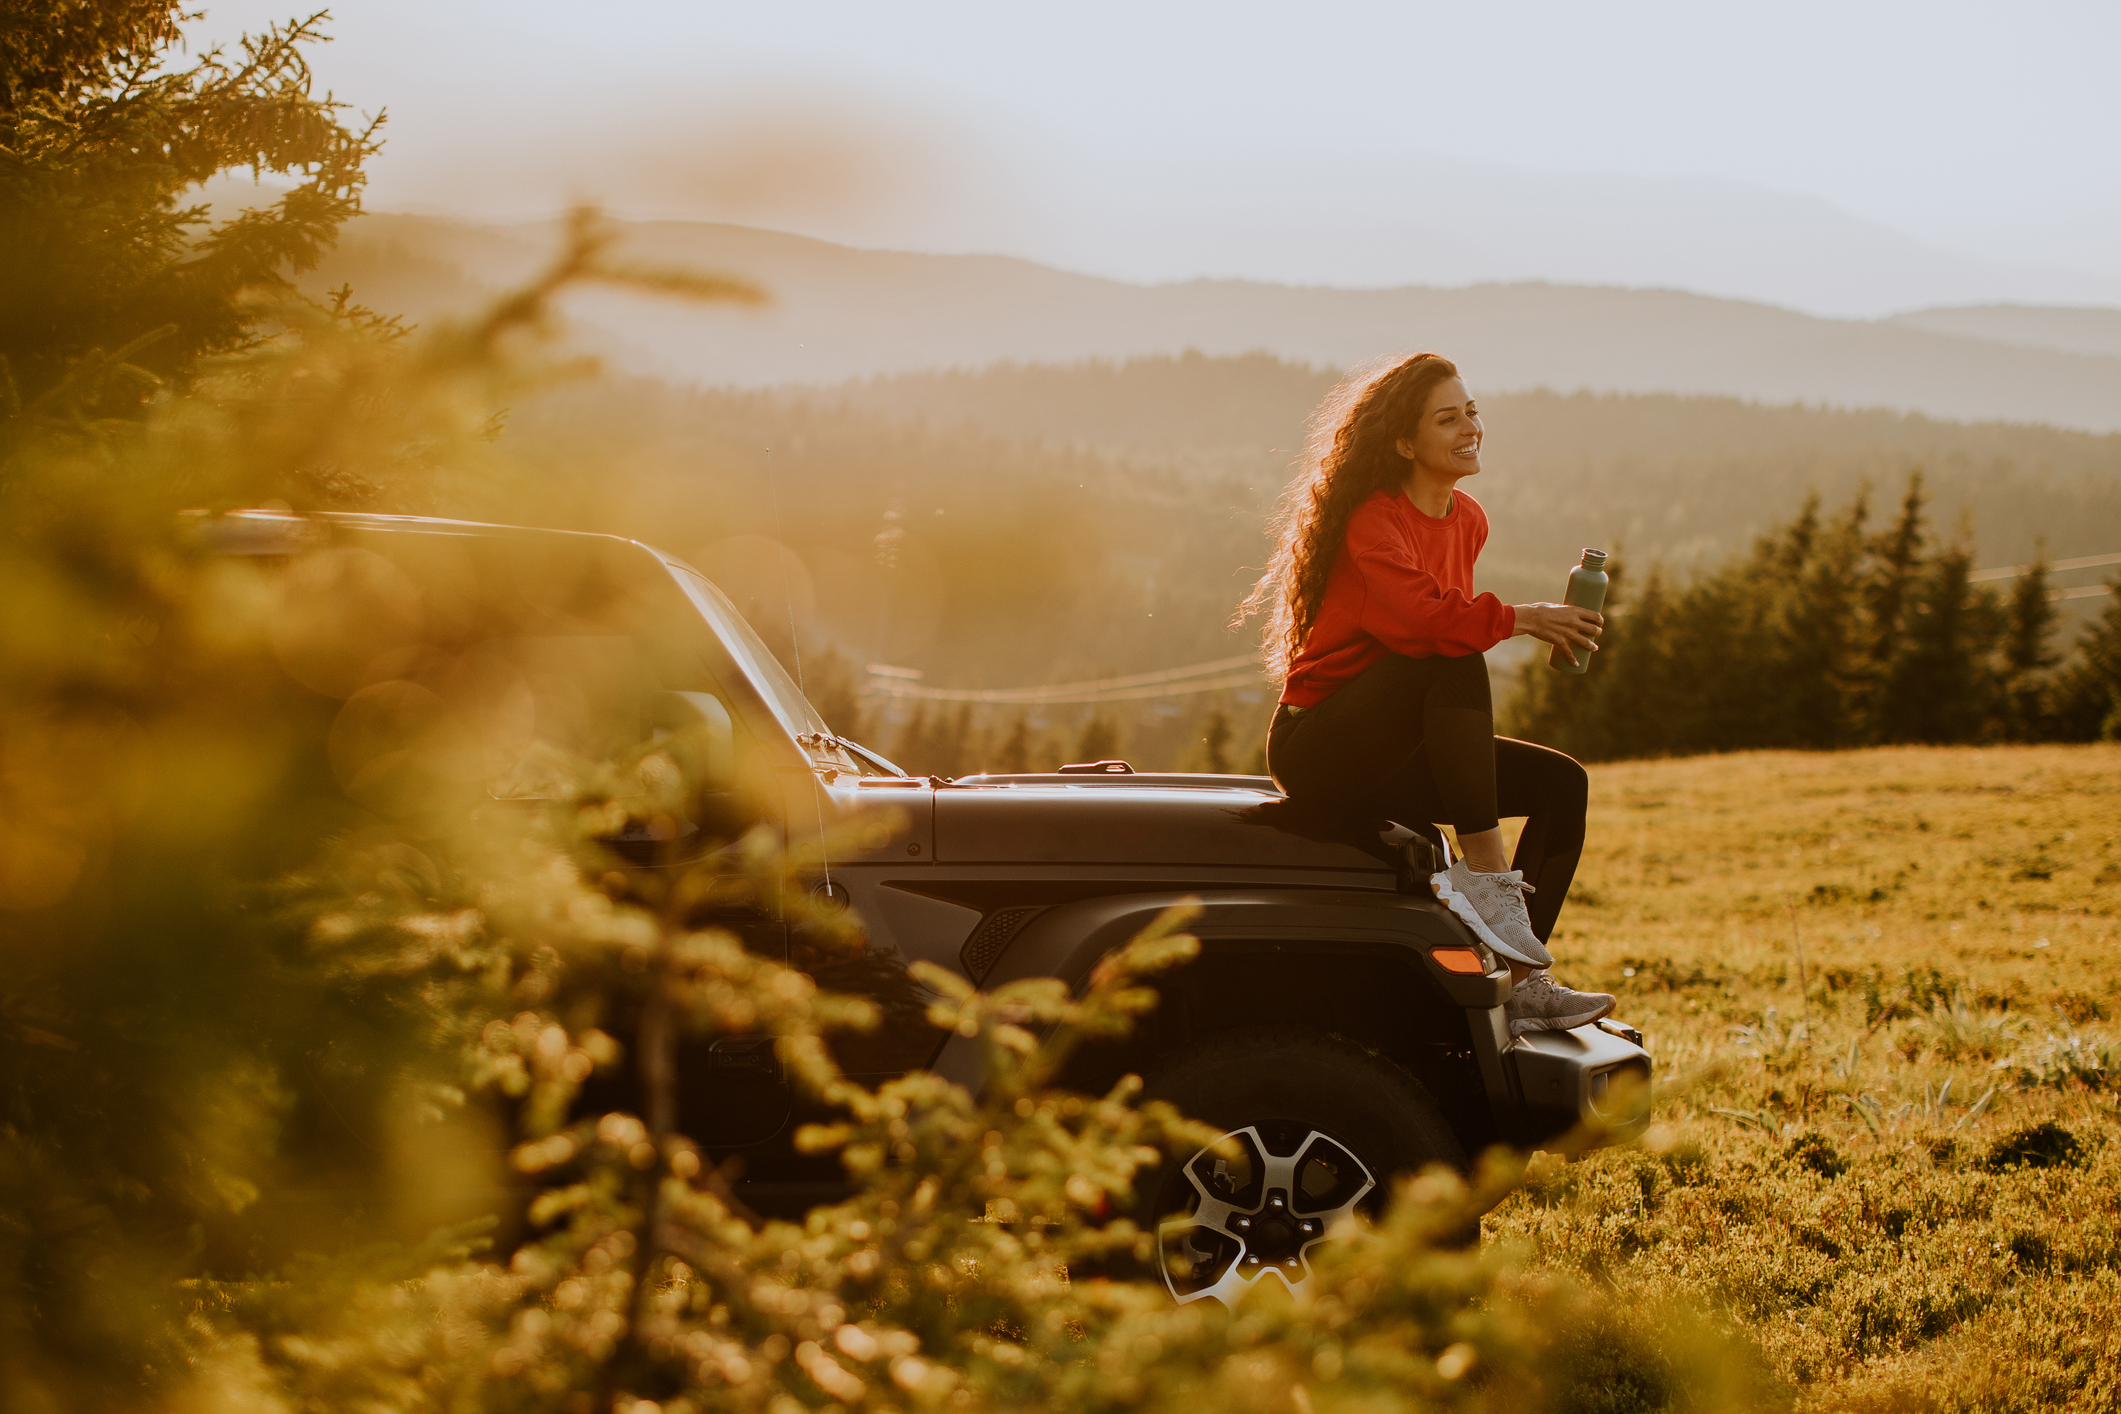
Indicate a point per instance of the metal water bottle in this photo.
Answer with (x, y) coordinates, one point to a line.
(1587, 585)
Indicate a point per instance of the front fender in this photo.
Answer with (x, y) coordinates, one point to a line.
(1069, 940)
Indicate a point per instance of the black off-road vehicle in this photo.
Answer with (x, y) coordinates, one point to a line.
(1340, 1022)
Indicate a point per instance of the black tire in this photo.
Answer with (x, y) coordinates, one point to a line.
(1289, 1073)
(1290, 1087)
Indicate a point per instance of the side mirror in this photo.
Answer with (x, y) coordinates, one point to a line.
(695, 728)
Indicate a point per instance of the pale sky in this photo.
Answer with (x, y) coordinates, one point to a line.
(1345, 143)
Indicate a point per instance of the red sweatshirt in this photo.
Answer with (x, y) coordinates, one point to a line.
(1402, 583)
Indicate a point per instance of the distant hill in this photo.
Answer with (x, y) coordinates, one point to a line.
(2084, 331)
(842, 313)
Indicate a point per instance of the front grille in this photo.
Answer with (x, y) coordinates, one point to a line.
(993, 934)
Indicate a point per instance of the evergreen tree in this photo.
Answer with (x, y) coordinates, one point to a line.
(1721, 650)
(1819, 631)
(836, 694)
(193, 1085)
(959, 747)
(1054, 747)
(1632, 675)
(1014, 757)
(1100, 739)
(1896, 557)
(113, 277)
(2088, 695)
(1215, 742)
(911, 751)
(2029, 658)
(1941, 679)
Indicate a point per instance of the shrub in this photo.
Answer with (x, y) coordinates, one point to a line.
(2061, 1059)
(1814, 1151)
(2044, 1145)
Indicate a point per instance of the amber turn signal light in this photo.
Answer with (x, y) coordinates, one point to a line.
(1459, 960)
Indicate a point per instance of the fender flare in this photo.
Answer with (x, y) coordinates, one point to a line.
(1068, 940)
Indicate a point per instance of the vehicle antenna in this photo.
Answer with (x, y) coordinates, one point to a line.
(773, 493)
(795, 642)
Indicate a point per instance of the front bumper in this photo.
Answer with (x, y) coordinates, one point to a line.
(1584, 1088)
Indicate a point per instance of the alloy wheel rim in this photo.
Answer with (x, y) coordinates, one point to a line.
(1258, 1213)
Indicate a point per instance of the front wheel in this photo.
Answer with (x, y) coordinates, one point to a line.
(1321, 1127)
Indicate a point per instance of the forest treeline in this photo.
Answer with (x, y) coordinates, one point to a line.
(1835, 630)
(1214, 732)
(1044, 515)
(1685, 479)
(1024, 525)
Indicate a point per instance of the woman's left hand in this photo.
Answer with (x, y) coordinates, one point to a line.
(1563, 625)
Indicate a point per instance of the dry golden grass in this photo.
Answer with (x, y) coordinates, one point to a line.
(1902, 1181)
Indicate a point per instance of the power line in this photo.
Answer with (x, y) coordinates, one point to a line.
(1219, 675)
(2013, 571)
(1245, 670)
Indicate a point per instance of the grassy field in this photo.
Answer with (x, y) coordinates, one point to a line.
(1893, 1172)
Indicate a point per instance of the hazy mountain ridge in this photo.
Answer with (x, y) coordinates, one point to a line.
(841, 313)
(1375, 222)
(1193, 404)
(2085, 331)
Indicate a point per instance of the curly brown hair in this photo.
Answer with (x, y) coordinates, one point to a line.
(1350, 454)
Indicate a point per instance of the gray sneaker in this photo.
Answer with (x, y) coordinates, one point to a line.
(1492, 905)
(1539, 1003)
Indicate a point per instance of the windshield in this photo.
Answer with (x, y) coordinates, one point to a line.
(765, 671)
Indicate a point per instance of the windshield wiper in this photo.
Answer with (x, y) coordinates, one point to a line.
(866, 761)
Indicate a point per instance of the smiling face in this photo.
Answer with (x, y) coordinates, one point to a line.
(1446, 446)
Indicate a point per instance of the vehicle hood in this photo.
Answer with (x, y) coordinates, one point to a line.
(1135, 825)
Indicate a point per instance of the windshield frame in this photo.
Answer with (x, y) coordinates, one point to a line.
(780, 692)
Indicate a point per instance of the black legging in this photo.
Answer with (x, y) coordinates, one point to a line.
(1413, 740)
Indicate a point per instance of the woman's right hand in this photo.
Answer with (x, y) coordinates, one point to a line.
(1563, 625)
